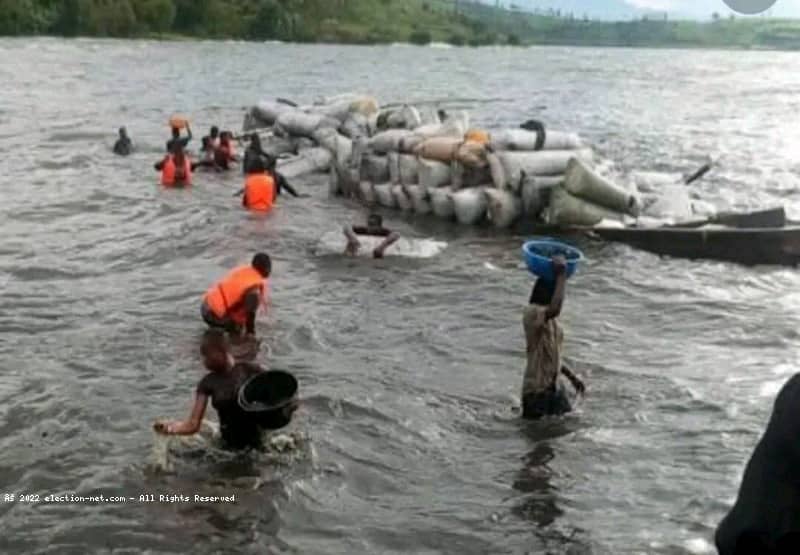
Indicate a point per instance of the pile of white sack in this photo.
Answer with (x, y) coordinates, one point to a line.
(425, 161)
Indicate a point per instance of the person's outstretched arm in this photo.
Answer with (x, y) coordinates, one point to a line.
(186, 427)
(352, 240)
(282, 183)
(390, 240)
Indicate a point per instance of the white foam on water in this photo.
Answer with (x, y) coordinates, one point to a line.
(490, 266)
(770, 389)
(698, 546)
(784, 369)
(334, 242)
(162, 444)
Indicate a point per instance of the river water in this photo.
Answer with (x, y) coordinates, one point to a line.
(409, 370)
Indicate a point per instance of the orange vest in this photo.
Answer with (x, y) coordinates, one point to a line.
(225, 297)
(259, 192)
(168, 171)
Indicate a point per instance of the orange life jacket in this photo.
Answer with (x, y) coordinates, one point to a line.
(259, 192)
(169, 171)
(225, 297)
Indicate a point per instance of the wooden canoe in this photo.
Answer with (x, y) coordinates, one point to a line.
(751, 246)
(770, 218)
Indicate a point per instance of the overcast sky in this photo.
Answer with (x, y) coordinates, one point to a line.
(616, 9)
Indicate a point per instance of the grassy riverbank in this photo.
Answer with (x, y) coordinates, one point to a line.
(377, 21)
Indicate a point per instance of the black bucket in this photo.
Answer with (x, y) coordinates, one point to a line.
(266, 397)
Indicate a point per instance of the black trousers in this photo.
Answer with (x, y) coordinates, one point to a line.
(214, 322)
(551, 402)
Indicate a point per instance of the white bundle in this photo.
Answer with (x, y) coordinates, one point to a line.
(356, 125)
(470, 205)
(503, 207)
(394, 140)
(401, 198)
(301, 124)
(339, 145)
(367, 193)
(672, 201)
(543, 162)
(569, 210)
(384, 195)
(583, 182)
(419, 199)
(524, 140)
(403, 168)
(433, 174)
(313, 160)
(342, 106)
(267, 112)
(442, 202)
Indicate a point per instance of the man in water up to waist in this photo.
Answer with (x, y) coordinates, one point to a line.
(123, 146)
(543, 393)
(256, 160)
(231, 304)
(373, 228)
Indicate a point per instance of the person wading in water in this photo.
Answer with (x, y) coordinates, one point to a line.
(543, 392)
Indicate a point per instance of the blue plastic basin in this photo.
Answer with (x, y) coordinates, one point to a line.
(538, 255)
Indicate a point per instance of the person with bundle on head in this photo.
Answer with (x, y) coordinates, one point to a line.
(543, 392)
(176, 168)
(176, 139)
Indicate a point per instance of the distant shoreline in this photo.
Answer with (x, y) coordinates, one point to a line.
(376, 22)
(177, 38)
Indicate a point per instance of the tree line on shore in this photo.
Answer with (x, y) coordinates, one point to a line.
(375, 21)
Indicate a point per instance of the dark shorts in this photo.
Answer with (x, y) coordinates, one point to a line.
(215, 322)
(238, 437)
(553, 402)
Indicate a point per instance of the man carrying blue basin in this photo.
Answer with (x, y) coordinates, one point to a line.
(544, 393)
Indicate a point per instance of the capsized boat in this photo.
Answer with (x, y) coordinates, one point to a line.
(754, 238)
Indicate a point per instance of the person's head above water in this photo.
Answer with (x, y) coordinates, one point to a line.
(206, 143)
(123, 133)
(176, 132)
(263, 263)
(214, 349)
(214, 132)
